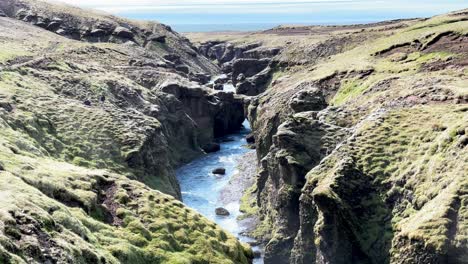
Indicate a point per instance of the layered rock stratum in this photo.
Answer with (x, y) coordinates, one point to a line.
(361, 138)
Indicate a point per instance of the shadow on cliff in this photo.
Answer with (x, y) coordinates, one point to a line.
(346, 217)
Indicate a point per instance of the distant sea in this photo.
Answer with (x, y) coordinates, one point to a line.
(252, 26)
(222, 27)
(257, 19)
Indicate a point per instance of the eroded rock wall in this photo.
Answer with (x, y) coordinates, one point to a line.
(352, 164)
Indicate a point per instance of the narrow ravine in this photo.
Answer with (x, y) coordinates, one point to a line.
(202, 190)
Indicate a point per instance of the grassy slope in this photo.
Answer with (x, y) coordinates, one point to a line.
(66, 192)
(413, 152)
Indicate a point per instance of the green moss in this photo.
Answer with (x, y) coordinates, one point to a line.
(59, 66)
(348, 90)
(161, 222)
(9, 52)
(408, 152)
(248, 203)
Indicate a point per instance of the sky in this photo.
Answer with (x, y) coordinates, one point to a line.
(218, 15)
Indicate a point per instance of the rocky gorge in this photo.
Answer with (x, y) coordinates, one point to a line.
(359, 133)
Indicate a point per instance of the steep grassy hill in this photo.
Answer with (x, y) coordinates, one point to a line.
(95, 113)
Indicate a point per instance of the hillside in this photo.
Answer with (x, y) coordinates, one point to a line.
(361, 138)
(95, 113)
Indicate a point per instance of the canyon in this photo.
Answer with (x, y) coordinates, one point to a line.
(110, 130)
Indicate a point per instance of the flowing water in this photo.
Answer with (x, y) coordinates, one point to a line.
(201, 189)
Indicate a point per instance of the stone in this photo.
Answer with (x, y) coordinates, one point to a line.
(463, 141)
(201, 78)
(218, 86)
(226, 67)
(7, 106)
(2, 14)
(87, 102)
(261, 52)
(212, 147)
(61, 32)
(98, 32)
(311, 99)
(250, 138)
(240, 78)
(54, 25)
(254, 85)
(157, 38)
(172, 57)
(130, 43)
(222, 211)
(257, 254)
(246, 87)
(220, 171)
(123, 32)
(183, 68)
(105, 25)
(221, 79)
(41, 24)
(248, 67)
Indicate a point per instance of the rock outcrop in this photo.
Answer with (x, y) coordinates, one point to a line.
(215, 113)
(249, 66)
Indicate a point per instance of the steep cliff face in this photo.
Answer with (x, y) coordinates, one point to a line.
(361, 141)
(89, 140)
(215, 113)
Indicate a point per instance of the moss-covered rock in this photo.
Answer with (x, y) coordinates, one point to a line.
(88, 142)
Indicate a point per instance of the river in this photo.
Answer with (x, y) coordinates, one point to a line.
(201, 189)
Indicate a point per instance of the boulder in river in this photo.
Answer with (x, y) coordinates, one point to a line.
(218, 86)
(212, 147)
(221, 79)
(219, 171)
(222, 211)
